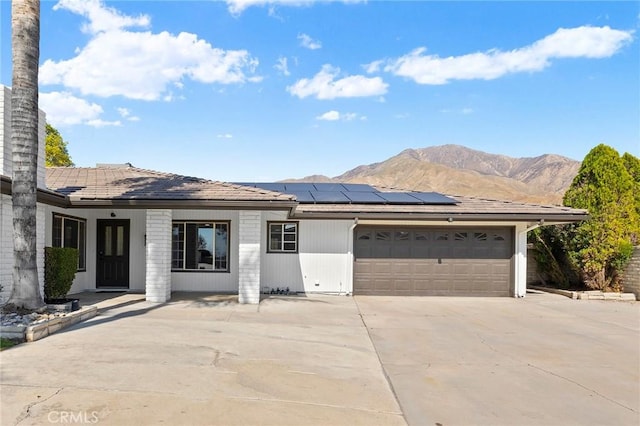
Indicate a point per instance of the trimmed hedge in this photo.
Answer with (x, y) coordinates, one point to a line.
(60, 266)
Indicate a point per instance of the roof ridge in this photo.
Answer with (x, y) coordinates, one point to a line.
(204, 180)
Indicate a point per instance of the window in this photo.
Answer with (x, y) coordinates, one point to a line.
(283, 237)
(364, 235)
(402, 236)
(383, 236)
(421, 236)
(70, 232)
(200, 246)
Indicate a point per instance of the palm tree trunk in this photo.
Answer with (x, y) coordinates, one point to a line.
(25, 41)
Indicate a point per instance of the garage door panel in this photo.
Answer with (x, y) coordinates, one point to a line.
(431, 261)
(403, 285)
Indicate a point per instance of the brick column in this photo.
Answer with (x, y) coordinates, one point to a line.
(249, 257)
(631, 275)
(40, 240)
(158, 256)
(6, 247)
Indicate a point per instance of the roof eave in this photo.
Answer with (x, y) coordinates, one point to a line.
(458, 217)
(183, 204)
(45, 196)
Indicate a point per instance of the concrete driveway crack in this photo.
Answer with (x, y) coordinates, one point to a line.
(582, 386)
(27, 410)
(384, 370)
(556, 375)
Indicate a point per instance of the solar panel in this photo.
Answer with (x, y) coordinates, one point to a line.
(330, 197)
(329, 187)
(343, 193)
(359, 187)
(303, 196)
(299, 186)
(399, 198)
(433, 198)
(364, 197)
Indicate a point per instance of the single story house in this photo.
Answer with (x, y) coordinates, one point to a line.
(159, 232)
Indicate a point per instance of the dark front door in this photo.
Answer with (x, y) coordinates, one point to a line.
(112, 266)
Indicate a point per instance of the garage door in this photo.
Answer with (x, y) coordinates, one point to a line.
(433, 261)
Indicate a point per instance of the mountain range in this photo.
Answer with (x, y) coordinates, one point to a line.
(458, 170)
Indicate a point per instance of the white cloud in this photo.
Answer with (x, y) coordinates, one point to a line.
(282, 66)
(142, 64)
(309, 43)
(224, 136)
(335, 116)
(102, 123)
(329, 116)
(236, 7)
(125, 113)
(373, 67)
(64, 109)
(580, 42)
(101, 18)
(325, 86)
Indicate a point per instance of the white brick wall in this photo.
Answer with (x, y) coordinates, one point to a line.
(158, 256)
(249, 257)
(6, 246)
(40, 239)
(5, 134)
(6, 213)
(42, 134)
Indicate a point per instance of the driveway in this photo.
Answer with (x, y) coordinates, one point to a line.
(541, 360)
(205, 360)
(202, 360)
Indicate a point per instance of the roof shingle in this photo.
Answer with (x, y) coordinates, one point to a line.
(132, 183)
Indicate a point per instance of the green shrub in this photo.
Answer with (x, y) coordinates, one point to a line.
(601, 246)
(60, 266)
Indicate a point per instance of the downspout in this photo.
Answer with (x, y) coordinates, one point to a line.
(352, 258)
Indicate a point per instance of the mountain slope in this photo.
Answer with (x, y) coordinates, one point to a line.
(457, 170)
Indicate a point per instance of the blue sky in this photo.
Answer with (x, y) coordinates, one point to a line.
(266, 90)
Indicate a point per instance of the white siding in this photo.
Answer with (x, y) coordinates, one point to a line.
(86, 280)
(217, 282)
(323, 262)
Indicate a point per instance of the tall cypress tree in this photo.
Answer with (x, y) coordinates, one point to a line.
(601, 246)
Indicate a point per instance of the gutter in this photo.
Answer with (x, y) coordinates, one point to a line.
(182, 204)
(45, 196)
(556, 218)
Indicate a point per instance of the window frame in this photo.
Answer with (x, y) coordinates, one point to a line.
(82, 232)
(282, 223)
(213, 224)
